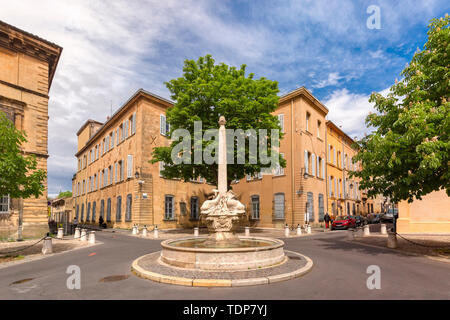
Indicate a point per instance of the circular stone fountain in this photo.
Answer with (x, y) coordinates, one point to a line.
(244, 254)
(222, 258)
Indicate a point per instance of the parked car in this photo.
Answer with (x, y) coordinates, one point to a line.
(374, 218)
(388, 216)
(360, 221)
(343, 222)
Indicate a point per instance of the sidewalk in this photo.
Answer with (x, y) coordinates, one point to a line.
(427, 245)
(181, 233)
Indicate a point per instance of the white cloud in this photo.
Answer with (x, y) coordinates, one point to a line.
(350, 110)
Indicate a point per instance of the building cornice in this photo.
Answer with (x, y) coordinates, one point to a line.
(302, 91)
(141, 93)
(17, 40)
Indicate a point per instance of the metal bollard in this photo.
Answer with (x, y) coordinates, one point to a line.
(247, 231)
(196, 232)
(83, 236)
(92, 237)
(308, 229)
(135, 230)
(60, 234)
(366, 231)
(155, 232)
(383, 229)
(392, 240)
(77, 233)
(299, 230)
(286, 231)
(145, 231)
(47, 247)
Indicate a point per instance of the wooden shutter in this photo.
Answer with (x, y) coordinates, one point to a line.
(306, 162)
(279, 205)
(313, 164)
(133, 123)
(162, 124)
(130, 166)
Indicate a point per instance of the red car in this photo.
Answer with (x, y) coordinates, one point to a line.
(343, 222)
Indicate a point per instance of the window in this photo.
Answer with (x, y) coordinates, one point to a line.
(308, 115)
(321, 207)
(121, 129)
(255, 207)
(330, 186)
(313, 164)
(102, 208)
(125, 129)
(133, 123)
(128, 212)
(169, 207)
(117, 136)
(108, 210)
(279, 206)
(161, 168)
(310, 206)
(121, 169)
(110, 170)
(94, 205)
(88, 213)
(130, 166)
(318, 128)
(111, 138)
(77, 211)
(194, 208)
(82, 212)
(164, 126)
(107, 144)
(4, 204)
(119, 209)
(281, 121)
(306, 158)
(279, 171)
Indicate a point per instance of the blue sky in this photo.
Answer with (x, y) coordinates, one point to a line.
(113, 48)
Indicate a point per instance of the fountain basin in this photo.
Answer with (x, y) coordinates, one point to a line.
(196, 253)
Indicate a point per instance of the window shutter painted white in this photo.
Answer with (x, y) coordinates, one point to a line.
(130, 166)
(121, 170)
(335, 187)
(133, 123)
(162, 124)
(313, 164)
(329, 153)
(334, 156)
(323, 169)
(318, 168)
(306, 161)
(329, 186)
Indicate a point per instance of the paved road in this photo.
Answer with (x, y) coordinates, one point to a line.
(339, 273)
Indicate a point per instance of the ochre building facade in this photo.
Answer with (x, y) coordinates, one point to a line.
(116, 180)
(27, 66)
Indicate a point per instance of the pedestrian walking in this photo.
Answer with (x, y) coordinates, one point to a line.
(327, 219)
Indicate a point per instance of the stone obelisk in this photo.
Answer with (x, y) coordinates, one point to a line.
(222, 178)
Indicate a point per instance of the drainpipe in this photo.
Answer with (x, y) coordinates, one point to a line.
(292, 159)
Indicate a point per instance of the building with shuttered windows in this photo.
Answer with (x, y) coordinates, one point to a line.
(297, 193)
(115, 178)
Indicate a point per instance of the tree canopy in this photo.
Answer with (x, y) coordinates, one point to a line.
(19, 176)
(408, 154)
(64, 194)
(207, 91)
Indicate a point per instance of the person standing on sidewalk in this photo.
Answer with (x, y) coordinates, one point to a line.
(327, 219)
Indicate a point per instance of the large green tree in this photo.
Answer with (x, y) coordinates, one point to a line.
(19, 176)
(206, 91)
(408, 154)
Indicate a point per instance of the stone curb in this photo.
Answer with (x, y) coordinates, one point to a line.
(195, 282)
